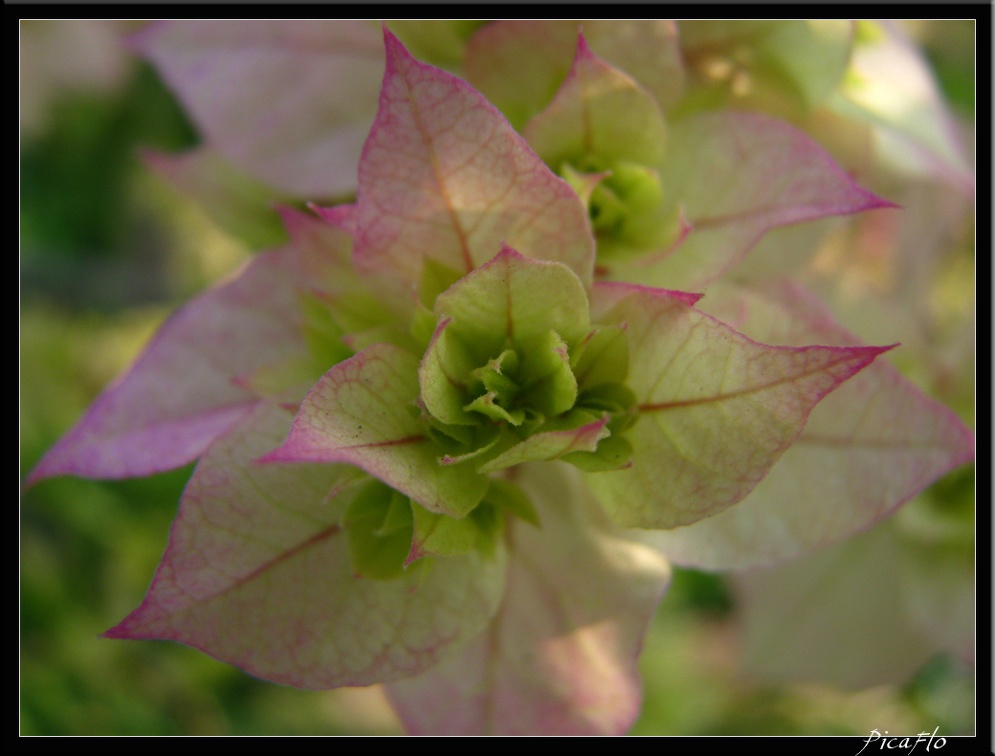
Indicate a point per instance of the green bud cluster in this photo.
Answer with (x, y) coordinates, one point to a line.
(628, 206)
(512, 371)
(486, 391)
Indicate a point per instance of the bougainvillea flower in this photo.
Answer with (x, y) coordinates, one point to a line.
(230, 75)
(432, 445)
(765, 174)
(675, 202)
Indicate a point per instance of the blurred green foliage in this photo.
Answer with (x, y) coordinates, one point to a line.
(86, 235)
(74, 176)
(93, 260)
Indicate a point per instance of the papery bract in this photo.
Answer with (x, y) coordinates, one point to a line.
(444, 177)
(737, 176)
(258, 574)
(715, 408)
(361, 413)
(560, 654)
(603, 130)
(196, 378)
(867, 448)
(598, 111)
(246, 83)
(876, 606)
(727, 177)
(796, 619)
(179, 396)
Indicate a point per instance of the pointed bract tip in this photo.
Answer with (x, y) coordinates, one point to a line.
(888, 348)
(582, 50)
(875, 202)
(690, 298)
(866, 354)
(340, 216)
(414, 555)
(119, 631)
(508, 251)
(394, 49)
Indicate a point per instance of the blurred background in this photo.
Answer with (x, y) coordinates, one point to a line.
(107, 250)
